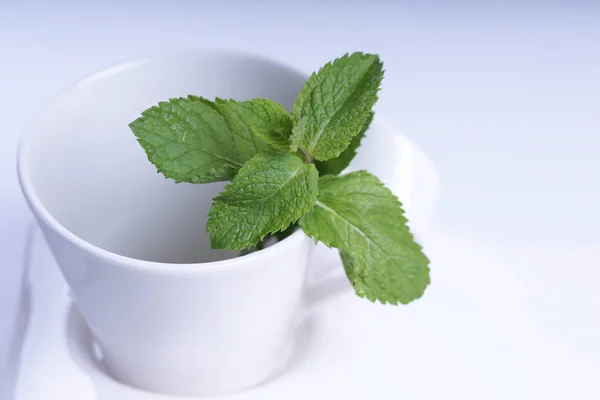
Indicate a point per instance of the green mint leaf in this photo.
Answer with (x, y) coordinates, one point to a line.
(335, 103)
(258, 124)
(270, 192)
(270, 122)
(188, 141)
(297, 133)
(336, 165)
(236, 115)
(365, 221)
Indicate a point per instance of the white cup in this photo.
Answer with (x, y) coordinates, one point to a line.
(169, 314)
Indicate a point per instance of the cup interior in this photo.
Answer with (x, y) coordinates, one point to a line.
(86, 169)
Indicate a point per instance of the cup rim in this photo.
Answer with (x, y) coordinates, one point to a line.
(48, 219)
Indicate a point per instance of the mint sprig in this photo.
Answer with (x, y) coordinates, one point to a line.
(284, 169)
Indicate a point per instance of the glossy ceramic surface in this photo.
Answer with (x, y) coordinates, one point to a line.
(170, 315)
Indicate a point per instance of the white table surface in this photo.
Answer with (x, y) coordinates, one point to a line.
(504, 98)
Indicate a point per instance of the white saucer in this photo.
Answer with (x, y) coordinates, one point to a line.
(54, 357)
(487, 328)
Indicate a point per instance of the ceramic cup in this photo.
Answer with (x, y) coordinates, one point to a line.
(169, 314)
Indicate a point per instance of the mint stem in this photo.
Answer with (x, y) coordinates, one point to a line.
(305, 155)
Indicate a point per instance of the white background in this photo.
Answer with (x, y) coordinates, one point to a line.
(505, 98)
